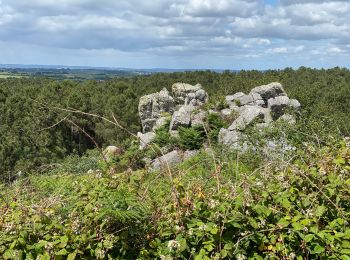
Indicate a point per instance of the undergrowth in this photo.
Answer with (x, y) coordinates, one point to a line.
(217, 205)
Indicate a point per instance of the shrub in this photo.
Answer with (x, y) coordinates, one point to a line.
(214, 124)
(191, 138)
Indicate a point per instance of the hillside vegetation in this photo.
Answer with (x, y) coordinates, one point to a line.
(60, 199)
(35, 132)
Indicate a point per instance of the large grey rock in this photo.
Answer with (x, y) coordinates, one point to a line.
(169, 159)
(240, 99)
(251, 115)
(271, 90)
(145, 139)
(235, 140)
(251, 99)
(189, 154)
(151, 107)
(182, 117)
(278, 106)
(186, 94)
(198, 118)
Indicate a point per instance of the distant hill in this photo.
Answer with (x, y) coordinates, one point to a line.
(79, 72)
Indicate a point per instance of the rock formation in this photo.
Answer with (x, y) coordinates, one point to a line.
(152, 107)
(262, 106)
(257, 109)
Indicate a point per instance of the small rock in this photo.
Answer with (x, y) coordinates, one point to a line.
(145, 139)
(288, 119)
(111, 151)
(169, 159)
(202, 96)
(174, 133)
(295, 104)
(226, 112)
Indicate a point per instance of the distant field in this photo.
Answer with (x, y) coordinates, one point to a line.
(5, 75)
(72, 74)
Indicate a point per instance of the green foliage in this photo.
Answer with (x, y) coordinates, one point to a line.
(221, 104)
(215, 123)
(191, 138)
(35, 133)
(163, 137)
(76, 164)
(70, 217)
(216, 207)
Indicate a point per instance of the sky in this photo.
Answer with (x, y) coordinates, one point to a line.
(176, 34)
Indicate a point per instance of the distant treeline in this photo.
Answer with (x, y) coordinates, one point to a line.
(35, 131)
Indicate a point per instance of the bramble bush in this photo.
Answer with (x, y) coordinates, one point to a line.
(225, 206)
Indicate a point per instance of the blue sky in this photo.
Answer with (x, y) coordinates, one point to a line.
(187, 34)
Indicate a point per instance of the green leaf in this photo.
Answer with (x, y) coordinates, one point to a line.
(64, 241)
(297, 226)
(72, 256)
(346, 244)
(309, 237)
(283, 222)
(345, 251)
(318, 249)
(62, 252)
(339, 161)
(320, 211)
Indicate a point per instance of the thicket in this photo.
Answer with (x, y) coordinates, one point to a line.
(36, 132)
(216, 206)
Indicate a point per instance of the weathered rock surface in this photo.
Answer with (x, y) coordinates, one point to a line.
(151, 108)
(189, 154)
(172, 159)
(288, 119)
(250, 115)
(198, 117)
(182, 117)
(279, 105)
(161, 122)
(169, 159)
(268, 91)
(262, 106)
(257, 109)
(145, 139)
(186, 94)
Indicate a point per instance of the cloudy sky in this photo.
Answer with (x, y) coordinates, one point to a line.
(222, 34)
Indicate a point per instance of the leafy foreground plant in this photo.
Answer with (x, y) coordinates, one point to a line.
(208, 209)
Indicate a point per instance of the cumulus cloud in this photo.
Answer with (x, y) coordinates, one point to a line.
(181, 28)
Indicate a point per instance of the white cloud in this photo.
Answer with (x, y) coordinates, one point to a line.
(181, 28)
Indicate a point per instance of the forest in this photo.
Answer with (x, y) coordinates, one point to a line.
(35, 130)
(225, 206)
